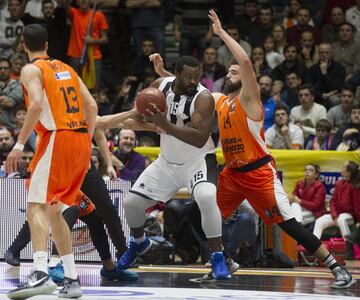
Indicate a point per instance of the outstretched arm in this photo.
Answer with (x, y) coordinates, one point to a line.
(250, 91)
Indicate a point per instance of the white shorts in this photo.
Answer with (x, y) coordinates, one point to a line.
(161, 180)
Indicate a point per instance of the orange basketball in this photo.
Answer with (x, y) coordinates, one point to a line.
(149, 96)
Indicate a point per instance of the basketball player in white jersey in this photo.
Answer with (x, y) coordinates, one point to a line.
(187, 159)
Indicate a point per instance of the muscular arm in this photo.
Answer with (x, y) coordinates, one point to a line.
(32, 81)
(201, 122)
(114, 121)
(90, 107)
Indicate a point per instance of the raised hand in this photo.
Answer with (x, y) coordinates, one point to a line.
(158, 62)
(216, 22)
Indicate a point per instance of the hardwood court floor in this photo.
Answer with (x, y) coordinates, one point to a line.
(175, 282)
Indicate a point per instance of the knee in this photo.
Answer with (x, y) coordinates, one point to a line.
(204, 195)
(54, 211)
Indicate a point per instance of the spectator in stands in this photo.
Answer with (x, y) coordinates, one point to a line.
(147, 22)
(80, 18)
(55, 21)
(290, 20)
(213, 75)
(341, 209)
(347, 138)
(284, 135)
(308, 198)
(309, 53)
(277, 88)
(11, 93)
(23, 165)
(308, 113)
(123, 100)
(99, 163)
(261, 30)
(20, 114)
(354, 236)
(105, 107)
(141, 63)
(339, 115)
(352, 16)
(17, 60)
(18, 46)
(191, 26)
(290, 95)
(10, 28)
(259, 62)
(128, 163)
(224, 54)
(323, 138)
(248, 19)
(272, 57)
(290, 64)
(35, 8)
(347, 52)
(330, 32)
(279, 35)
(293, 34)
(6, 143)
(327, 77)
(269, 103)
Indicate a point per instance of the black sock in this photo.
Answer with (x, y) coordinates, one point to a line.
(330, 262)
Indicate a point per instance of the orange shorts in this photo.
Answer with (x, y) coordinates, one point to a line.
(261, 187)
(59, 166)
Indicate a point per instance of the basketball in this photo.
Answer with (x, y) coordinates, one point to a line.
(149, 96)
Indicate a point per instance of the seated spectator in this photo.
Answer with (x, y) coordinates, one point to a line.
(105, 107)
(11, 94)
(269, 103)
(10, 28)
(347, 138)
(247, 19)
(341, 209)
(6, 144)
(293, 34)
(290, 20)
(99, 163)
(309, 53)
(352, 16)
(308, 113)
(213, 75)
(279, 35)
(263, 28)
(259, 62)
(339, 115)
(278, 86)
(323, 138)
(354, 236)
(20, 114)
(346, 51)
(123, 100)
(24, 163)
(224, 55)
(308, 198)
(17, 60)
(290, 95)
(284, 135)
(272, 57)
(330, 32)
(289, 65)
(327, 77)
(128, 163)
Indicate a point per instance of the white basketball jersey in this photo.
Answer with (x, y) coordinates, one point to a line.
(179, 113)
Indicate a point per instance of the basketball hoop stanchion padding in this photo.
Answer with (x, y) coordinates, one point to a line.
(13, 205)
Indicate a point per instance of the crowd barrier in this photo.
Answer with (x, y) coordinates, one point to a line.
(13, 197)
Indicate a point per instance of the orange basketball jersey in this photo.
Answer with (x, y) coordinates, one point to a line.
(242, 139)
(63, 106)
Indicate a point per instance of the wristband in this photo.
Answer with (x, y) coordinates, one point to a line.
(19, 146)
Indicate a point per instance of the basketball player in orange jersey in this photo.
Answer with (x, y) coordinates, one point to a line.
(250, 170)
(63, 113)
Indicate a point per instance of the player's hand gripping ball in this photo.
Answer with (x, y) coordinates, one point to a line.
(147, 98)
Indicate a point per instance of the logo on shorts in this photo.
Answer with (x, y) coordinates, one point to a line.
(142, 185)
(268, 213)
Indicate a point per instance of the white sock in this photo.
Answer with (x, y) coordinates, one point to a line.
(40, 261)
(140, 239)
(54, 260)
(69, 266)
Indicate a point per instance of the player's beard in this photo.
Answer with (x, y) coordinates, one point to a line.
(230, 87)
